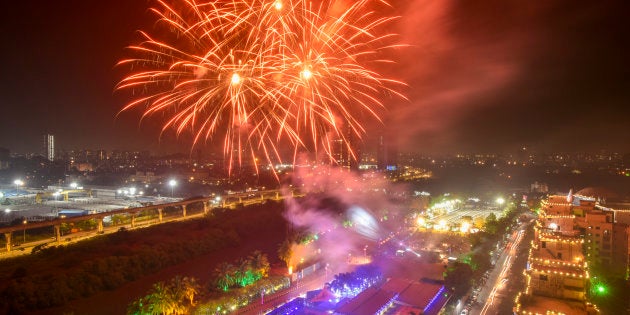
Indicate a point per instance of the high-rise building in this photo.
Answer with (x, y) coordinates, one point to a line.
(386, 154)
(344, 150)
(49, 145)
(101, 155)
(4, 158)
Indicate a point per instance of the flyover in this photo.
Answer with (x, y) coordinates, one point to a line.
(228, 201)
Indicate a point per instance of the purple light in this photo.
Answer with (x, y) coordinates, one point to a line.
(434, 299)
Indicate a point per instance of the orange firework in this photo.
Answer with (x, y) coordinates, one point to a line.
(261, 72)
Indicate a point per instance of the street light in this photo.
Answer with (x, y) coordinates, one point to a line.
(73, 185)
(18, 183)
(421, 222)
(500, 200)
(172, 183)
(601, 289)
(24, 239)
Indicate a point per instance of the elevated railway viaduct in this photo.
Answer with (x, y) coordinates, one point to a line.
(228, 201)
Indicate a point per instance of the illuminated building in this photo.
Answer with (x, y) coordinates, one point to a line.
(49, 146)
(537, 187)
(598, 237)
(605, 237)
(617, 220)
(397, 296)
(557, 277)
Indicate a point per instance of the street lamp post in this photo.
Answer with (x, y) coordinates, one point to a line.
(18, 183)
(172, 183)
(24, 237)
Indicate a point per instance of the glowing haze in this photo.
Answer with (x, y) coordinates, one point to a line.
(259, 73)
(344, 209)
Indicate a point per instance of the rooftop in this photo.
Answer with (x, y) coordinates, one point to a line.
(413, 293)
(370, 301)
(546, 305)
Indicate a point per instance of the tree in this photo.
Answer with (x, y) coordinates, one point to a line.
(167, 299)
(224, 276)
(185, 288)
(479, 222)
(117, 219)
(192, 289)
(285, 252)
(137, 307)
(160, 300)
(243, 275)
(260, 263)
(491, 217)
(491, 226)
(458, 276)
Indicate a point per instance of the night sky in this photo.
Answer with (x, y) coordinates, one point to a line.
(483, 76)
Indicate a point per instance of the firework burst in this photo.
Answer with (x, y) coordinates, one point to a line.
(262, 72)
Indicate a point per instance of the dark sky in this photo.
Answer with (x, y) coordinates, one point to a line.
(484, 76)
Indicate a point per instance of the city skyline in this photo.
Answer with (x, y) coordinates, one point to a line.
(489, 77)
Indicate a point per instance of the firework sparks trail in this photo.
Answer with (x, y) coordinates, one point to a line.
(257, 72)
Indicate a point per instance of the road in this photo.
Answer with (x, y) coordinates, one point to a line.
(493, 292)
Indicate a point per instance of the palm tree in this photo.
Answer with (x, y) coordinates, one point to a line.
(260, 263)
(137, 307)
(224, 274)
(243, 272)
(185, 288)
(160, 301)
(177, 287)
(285, 252)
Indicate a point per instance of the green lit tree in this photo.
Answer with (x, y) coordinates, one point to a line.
(137, 307)
(243, 275)
(224, 275)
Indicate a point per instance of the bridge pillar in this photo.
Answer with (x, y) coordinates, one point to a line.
(160, 215)
(7, 237)
(277, 195)
(240, 199)
(133, 220)
(58, 233)
(100, 225)
(206, 207)
(184, 211)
